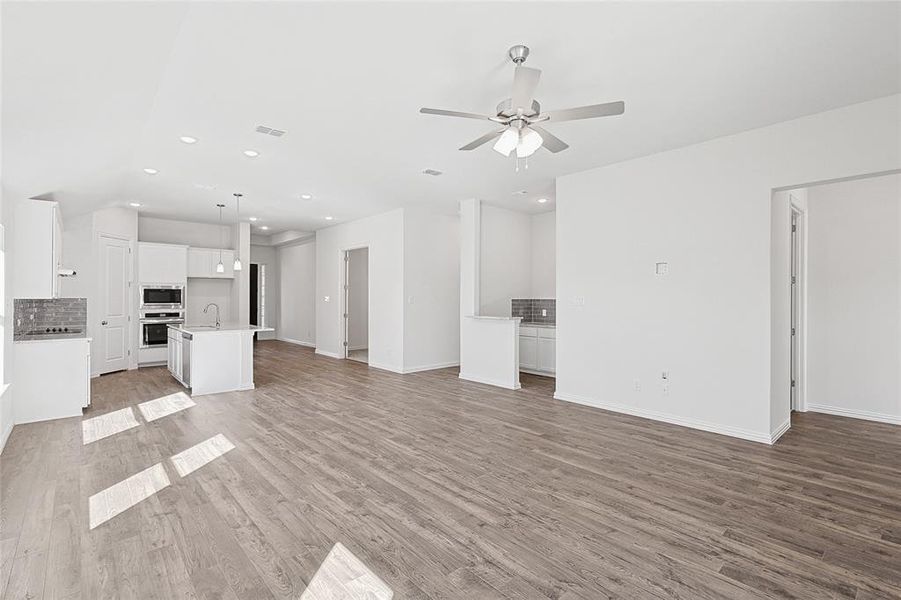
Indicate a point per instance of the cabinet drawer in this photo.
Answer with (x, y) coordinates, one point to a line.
(547, 332)
(528, 331)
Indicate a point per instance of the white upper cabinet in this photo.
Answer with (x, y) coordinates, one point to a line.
(37, 249)
(202, 263)
(162, 263)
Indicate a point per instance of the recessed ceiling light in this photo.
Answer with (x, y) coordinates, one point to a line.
(432, 172)
(251, 153)
(252, 219)
(135, 204)
(188, 139)
(150, 171)
(264, 227)
(542, 200)
(329, 218)
(306, 196)
(520, 193)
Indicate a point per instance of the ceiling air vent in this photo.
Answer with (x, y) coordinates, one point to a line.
(270, 131)
(431, 172)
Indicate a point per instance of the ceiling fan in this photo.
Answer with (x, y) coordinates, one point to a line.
(520, 114)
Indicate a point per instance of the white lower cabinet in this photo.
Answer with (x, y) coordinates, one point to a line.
(175, 354)
(538, 350)
(53, 379)
(528, 352)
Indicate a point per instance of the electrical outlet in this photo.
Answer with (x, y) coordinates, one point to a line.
(543, 312)
(636, 385)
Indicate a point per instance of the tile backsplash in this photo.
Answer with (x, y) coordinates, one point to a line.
(530, 310)
(32, 316)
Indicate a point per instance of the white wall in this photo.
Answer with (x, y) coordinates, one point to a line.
(704, 209)
(384, 236)
(7, 378)
(543, 253)
(505, 259)
(170, 231)
(200, 293)
(431, 290)
(854, 302)
(81, 252)
(268, 256)
(297, 293)
(358, 299)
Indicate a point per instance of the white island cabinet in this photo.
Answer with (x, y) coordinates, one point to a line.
(211, 360)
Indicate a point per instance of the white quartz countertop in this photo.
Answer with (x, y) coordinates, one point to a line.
(225, 327)
(41, 339)
(487, 318)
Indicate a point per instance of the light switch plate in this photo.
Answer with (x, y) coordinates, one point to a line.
(661, 268)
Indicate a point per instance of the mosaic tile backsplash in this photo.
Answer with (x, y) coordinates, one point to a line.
(32, 316)
(530, 310)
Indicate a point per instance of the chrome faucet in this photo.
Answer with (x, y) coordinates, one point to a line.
(217, 312)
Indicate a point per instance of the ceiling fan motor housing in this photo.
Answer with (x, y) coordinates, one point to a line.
(518, 54)
(505, 109)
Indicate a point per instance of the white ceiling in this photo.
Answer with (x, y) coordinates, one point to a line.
(93, 93)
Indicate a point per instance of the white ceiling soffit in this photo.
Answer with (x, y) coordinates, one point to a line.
(95, 92)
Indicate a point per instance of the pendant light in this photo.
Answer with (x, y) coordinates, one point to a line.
(220, 268)
(237, 230)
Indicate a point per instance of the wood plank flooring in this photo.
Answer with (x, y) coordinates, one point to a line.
(444, 489)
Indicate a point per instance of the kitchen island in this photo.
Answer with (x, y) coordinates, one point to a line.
(210, 359)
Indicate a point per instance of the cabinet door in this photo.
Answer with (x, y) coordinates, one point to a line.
(528, 352)
(87, 401)
(162, 264)
(547, 355)
(199, 262)
(57, 251)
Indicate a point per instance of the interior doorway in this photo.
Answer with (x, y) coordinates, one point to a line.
(356, 304)
(258, 294)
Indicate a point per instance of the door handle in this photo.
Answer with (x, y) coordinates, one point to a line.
(104, 322)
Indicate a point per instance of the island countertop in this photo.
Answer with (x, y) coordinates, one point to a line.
(225, 327)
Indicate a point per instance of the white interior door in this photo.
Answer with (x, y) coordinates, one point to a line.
(112, 341)
(795, 307)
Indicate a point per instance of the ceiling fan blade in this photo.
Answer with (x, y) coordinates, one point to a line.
(453, 113)
(483, 140)
(551, 141)
(525, 80)
(587, 112)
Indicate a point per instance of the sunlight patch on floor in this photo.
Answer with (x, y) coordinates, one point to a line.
(343, 576)
(165, 406)
(102, 426)
(203, 453)
(106, 504)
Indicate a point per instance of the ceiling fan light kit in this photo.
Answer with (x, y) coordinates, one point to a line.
(520, 114)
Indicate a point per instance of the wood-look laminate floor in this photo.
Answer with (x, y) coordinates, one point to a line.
(444, 489)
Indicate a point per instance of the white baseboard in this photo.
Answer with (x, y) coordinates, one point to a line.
(745, 434)
(493, 382)
(537, 372)
(329, 354)
(298, 342)
(780, 431)
(419, 369)
(385, 367)
(855, 414)
(352, 348)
